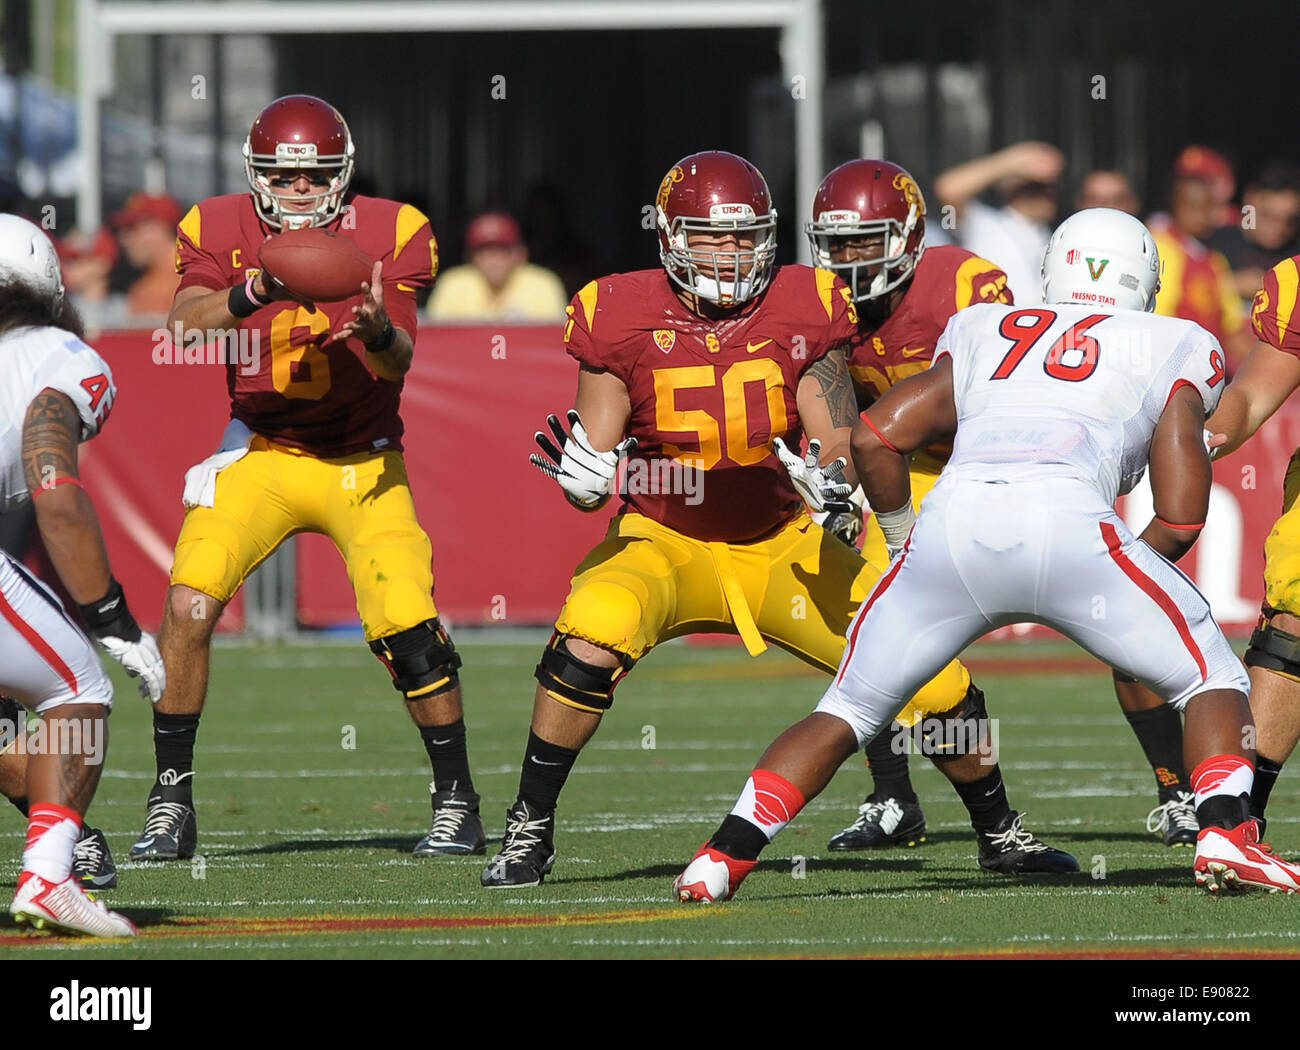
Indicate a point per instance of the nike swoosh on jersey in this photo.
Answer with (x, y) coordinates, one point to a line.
(751, 347)
(914, 351)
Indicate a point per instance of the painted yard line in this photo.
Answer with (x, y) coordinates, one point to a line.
(216, 927)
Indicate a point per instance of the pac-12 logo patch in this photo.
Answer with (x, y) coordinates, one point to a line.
(665, 339)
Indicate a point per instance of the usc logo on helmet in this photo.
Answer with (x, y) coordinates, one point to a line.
(666, 187)
(911, 192)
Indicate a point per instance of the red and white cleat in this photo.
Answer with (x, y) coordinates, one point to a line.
(66, 908)
(1230, 860)
(711, 876)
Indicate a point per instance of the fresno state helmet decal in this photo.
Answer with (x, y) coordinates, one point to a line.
(666, 187)
(911, 192)
(665, 339)
(1072, 256)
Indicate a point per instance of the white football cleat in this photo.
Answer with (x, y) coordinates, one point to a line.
(711, 876)
(65, 907)
(1228, 860)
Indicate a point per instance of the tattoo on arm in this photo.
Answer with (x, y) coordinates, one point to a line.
(832, 374)
(51, 434)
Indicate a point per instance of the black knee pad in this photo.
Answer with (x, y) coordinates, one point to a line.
(421, 659)
(576, 682)
(1274, 649)
(958, 731)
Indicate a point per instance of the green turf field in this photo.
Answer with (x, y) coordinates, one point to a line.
(305, 843)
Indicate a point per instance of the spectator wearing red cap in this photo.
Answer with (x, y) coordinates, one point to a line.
(498, 283)
(1196, 282)
(1201, 162)
(146, 229)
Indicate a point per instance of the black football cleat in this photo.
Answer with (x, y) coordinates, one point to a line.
(92, 863)
(528, 851)
(882, 824)
(457, 829)
(1175, 820)
(171, 830)
(1010, 849)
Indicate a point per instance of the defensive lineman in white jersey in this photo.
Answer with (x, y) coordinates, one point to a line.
(56, 392)
(1055, 411)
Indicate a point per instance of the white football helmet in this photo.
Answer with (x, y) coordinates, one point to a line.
(27, 255)
(1102, 256)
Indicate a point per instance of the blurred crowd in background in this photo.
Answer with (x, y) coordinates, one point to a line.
(1214, 246)
(1215, 243)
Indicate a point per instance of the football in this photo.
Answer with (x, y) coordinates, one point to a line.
(316, 264)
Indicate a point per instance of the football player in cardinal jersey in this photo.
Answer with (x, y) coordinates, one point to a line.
(868, 227)
(1052, 419)
(704, 373)
(1269, 375)
(314, 444)
(56, 392)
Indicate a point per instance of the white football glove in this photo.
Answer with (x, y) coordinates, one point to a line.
(140, 660)
(587, 476)
(822, 488)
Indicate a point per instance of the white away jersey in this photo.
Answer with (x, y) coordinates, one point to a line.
(32, 359)
(1069, 391)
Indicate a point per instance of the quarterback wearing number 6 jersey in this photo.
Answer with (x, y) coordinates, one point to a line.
(314, 445)
(1055, 412)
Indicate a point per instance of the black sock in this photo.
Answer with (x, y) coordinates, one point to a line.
(1223, 811)
(546, 768)
(173, 745)
(1266, 771)
(1160, 732)
(20, 803)
(449, 756)
(888, 770)
(985, 800)
(738, 838)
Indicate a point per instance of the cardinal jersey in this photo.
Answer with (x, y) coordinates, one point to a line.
(708, 396)
(947, 279)
(1069, 391)
(304, 394)
(36, 359)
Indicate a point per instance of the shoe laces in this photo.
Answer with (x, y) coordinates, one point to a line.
(1178, 811)
(88, 853)
(165, 818)
(447, 822)
(879, 814)
(171, 778)
(522, 834)
(1017, 838)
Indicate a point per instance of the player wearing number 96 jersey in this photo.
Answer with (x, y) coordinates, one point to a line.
(1055, 412)
(314, 444)
(697, 371)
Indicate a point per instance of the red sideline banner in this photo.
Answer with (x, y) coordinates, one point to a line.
(505, 541)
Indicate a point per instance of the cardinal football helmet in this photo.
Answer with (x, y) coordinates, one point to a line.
(717, 193)
(1102, 256)
(27, 256)
(306, 133)
(865, 198)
